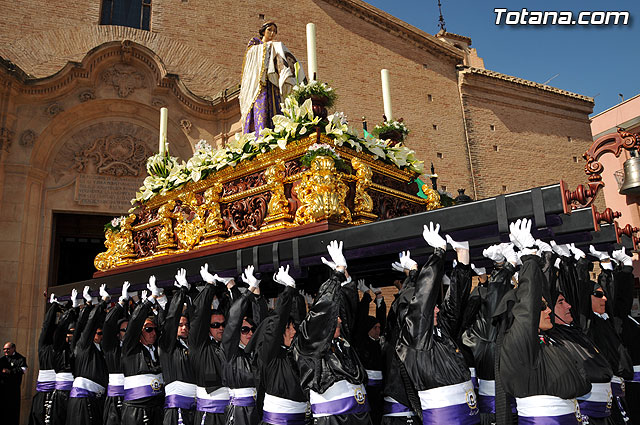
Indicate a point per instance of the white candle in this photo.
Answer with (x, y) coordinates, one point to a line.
(312, 63)
(164, 113)
(386, 94)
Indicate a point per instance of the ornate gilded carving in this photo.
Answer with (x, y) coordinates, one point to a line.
(125, 79)
(433, 197)
(278, 204)
(145, 242)
(27, 138)
(322, 194)
(245, 215)
(119, 246)
(213, 223)
(190, 222)
(362, 202)
(105, 260)
(116, 155)
(244, 183)
(386, 206)
(165, 234)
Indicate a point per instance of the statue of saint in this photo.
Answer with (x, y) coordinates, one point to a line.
(268, 75)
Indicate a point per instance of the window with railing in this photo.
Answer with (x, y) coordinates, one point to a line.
(127, 13)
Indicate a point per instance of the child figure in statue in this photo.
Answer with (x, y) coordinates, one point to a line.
(268, 75)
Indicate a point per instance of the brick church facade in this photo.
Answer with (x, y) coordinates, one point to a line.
(79, 105)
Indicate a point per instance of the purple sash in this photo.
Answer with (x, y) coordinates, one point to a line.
(458, 414)
(617, 389)
(77, 392)
(243, 401)
(179, 401)
(45, 387)
(141, 392)
(374, 382)
(636, 377)
(595, 409)
(115, 390)
(211, 406)
(342, 406)
(568, 419)
(283, 418)
(390, 407)
(64, 385)
(487, 404)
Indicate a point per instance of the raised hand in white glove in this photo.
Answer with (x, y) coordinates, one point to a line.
(85, 294)
(509, 253)
(283, 277)
(577, 252)
(600, 255)
(181, 279)
(249, 278)
(362, 287)
(125, 291)
(561, 250)
(478, 270)
(329, 263)
(152, 287)
(457, 245)
(544, 247)
(375, 290)
(206, 276)
(407, 262)
(520, 234)
(621, 256)
(397, 266)
(431, 236)
(335, 251)
(144, 294)
(74, 298)
(494, 253)
(53, 299)
(103, 292)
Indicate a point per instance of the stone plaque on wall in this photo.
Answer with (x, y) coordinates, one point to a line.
(109, 192)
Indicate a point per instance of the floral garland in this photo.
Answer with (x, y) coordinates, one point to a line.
(297, 121)
(115, 224)
(388, 126)
(322, 149)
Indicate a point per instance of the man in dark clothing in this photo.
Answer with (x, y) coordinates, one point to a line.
(329, 367)
(427, 346)
(238, 374)
(143, 381)
(12, 366)
(540, 372)
(205, 337)
(284, 401)
(177, 370)
(114, 328)
(86, 399)
(46, 383)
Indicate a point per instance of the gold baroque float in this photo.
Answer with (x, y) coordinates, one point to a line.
(273, 191)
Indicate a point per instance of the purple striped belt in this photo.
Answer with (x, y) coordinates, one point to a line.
(45, 387)
(283, 418)
(211, 406)
(391, 407)
(595, 409)
(64, 385)
(636, 376)
(568, 419)
(459, 414)
(77, 392)
(487, 403)
(174, 401)
(115, 390)
(141, 392)
(374, 378)
(342, 406)
(618, 389)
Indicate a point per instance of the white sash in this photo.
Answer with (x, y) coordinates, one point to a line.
(545, 405)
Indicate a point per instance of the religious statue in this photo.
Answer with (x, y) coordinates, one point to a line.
(268, 75)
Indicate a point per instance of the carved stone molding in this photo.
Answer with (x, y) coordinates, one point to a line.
(124, 78)
(54, 109)
(87, 95)
(27, 138)
(6, 137)
(158, 103)
(186, 125)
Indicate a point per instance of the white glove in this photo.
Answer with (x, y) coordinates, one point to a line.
(544, 247)
(600, 255)
(577, 252)
(335, 251)
(125, 292)
(362, 287)
(181, 279)
(143, 294)
(347, 281)
(457, 245)
(206, 276)
(152, 287)
(74, 298)
(431, 236)
(397, 266)
(53, 299)
(557, 263)
(308, 298)
(329, 263)
(85, 294)
(520, 234)
(454, 263)
(407, 262)
(509, 253)
(607, 265)
(494, 253)
(283, 277)
(249, 278)
(375, 290)
(561, 250)
(103, 292)
(621, 256)
(478, 270)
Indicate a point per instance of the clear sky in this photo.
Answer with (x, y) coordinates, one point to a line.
(597, 61)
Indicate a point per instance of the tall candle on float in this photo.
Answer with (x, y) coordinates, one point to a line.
(164, 113)
(312, 63)
(386, 94)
